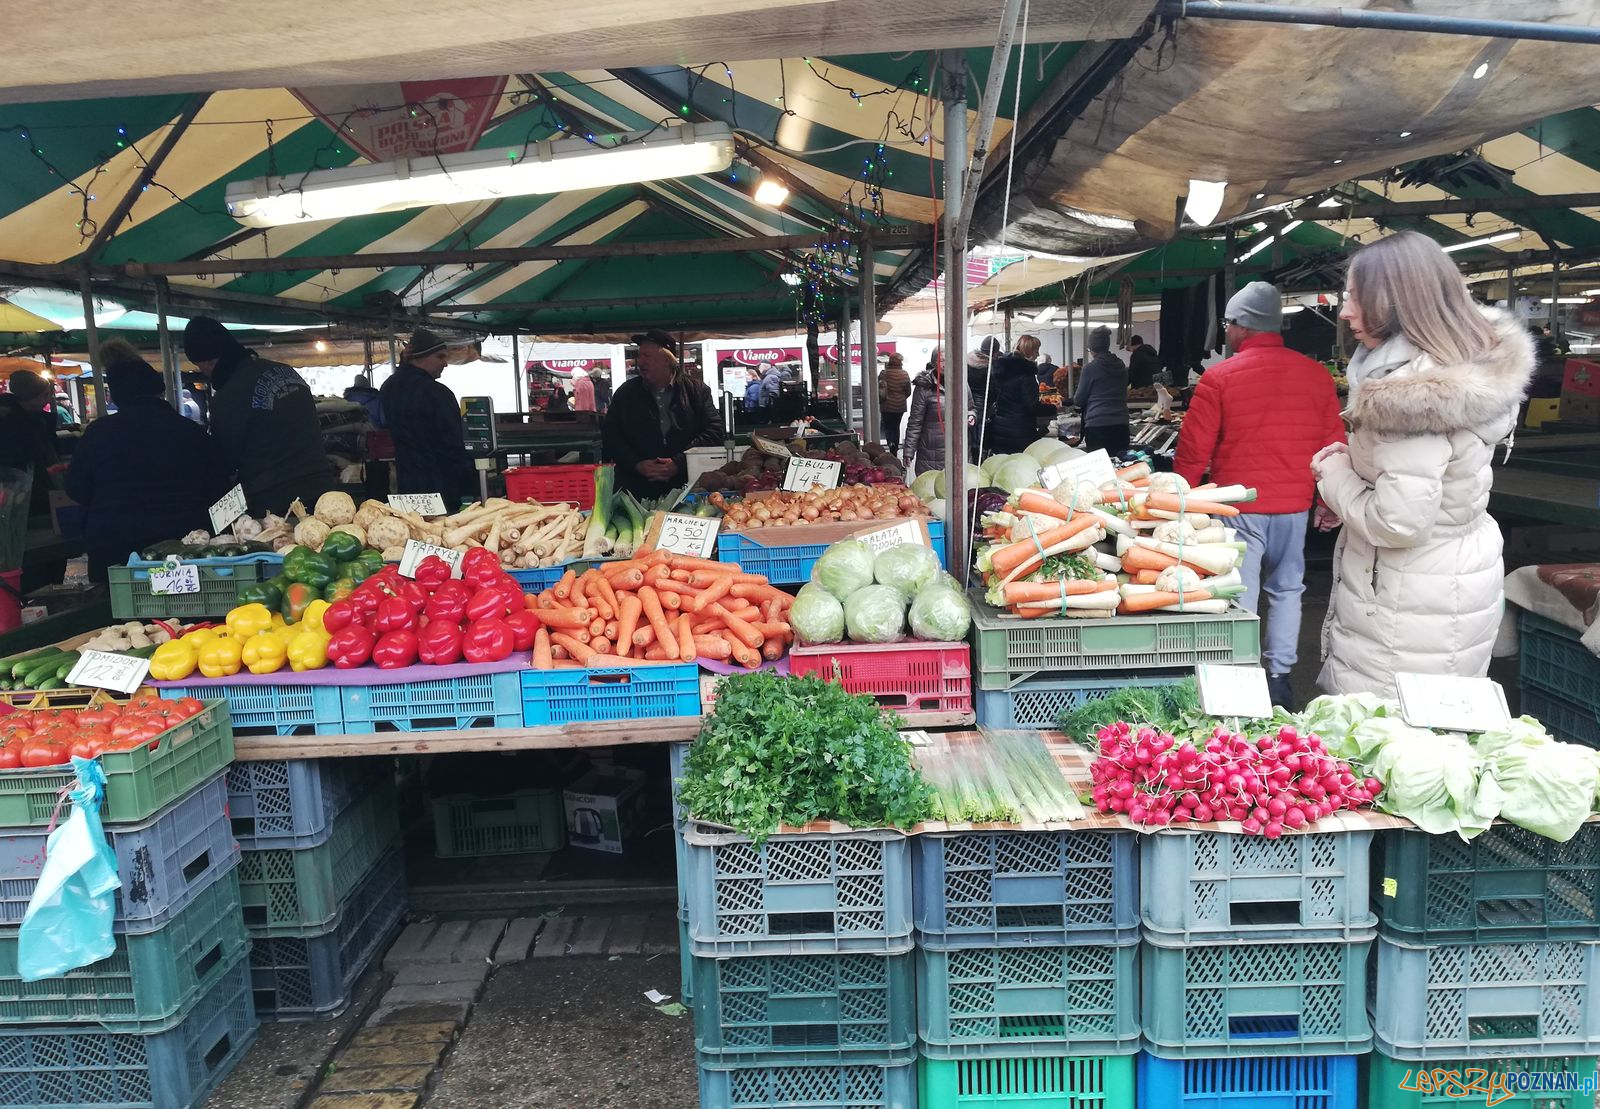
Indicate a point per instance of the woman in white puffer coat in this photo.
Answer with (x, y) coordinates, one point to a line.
(1436, 384)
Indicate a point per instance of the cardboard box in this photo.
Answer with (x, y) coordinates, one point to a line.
(1579, 409)
(603, 808)
(1582, 378)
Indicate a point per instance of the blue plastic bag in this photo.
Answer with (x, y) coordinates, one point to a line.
(68, 922)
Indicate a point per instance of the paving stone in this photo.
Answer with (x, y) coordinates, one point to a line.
(590, 936)
(428, 993)
(517, 940)
(365, 1101)
(552, 942)
(478, 944)
(425, 974)
(410, 946)
(660, 934)
(627, 935)
(438, 1032)
(344, 1080)
(441, 949)
(453, 1013)
(393, 1055)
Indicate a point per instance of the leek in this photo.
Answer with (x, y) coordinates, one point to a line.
(595, 542)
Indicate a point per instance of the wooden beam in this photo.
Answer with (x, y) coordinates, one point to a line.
(745, 296)
(1458, 206)
(108, 229)
(676, 729)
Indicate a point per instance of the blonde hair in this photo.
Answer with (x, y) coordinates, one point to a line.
(1028, 347)
(1406, 285)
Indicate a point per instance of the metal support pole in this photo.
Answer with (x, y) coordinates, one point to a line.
(1511, 287)
(516, 374)
(1555, 297)
(1380, 20)
(92, 337)
(869, 343)
(169, 357)
(987, 110)
(847, 406)
(958, 534)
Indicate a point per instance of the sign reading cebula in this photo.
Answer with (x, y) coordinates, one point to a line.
(805, 474)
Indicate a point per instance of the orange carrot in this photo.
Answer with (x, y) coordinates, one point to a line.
(1143, 558)
(1148, 602)
(600, 659)
(1172, 502)
(712, 593)
(597, 627)
(644, 636)
(606, 593)
(1041, 504)
(630, 579)
(778, 630)
(755, 591)
(567, 617)
(547, 599)
(579, 651)
(600, 645)
(558, 652)
(712, 646)
(563, 588)
(746, 656)
(689, 562)
(1147, 577)
(680, 575)
(541, 649)
(1017, 554)
(742, 629)
(610, 630)
(658, 619)
(627, 621)
(685, 639)
(1019, 591)
(670, 601)
(658, 654)
(772, 650)
(579, 597)
(705, 577)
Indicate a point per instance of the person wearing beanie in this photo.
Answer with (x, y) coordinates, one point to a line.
(263, 418)
(1102, 396)
(28, 434)
(1256, 419)
(143, 473)
(980, 361)
(655, 417)
(424, 416)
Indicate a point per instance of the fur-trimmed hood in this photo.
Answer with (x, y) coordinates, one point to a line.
(1408, 393)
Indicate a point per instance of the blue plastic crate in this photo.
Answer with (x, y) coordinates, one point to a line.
(1038, 702)
(578, 696)
(1249, 1082)
(1220, 885)
(164, 862)
(1035, 887)
(875, 1081)
(1565, 720)
(1262, 997)
(797, 894)
(273, 709)
(791, 563)
(440, 704)
(85, 1066)
(540, 578)
(293, 802)
(297, 978)
(1553, 658)
(1486, 1000)
(1016, 999)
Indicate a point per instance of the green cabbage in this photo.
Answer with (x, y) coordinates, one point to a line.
(1547, 787)
(875, 614)
(975, 479)
(940, 613)
(816, 615)
(925, 485)
(1432, 780)
(844, 568)
(1017, 472)
(1045, 451)
(907, 567)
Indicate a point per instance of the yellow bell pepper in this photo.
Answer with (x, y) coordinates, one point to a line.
(220, 658)
(312, 617)
(264, 653)
(200, 636)
(309, 650)
(173, 661)
(278, 621)
(247, 620)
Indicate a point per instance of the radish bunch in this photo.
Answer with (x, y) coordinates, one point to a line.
(1276, 783)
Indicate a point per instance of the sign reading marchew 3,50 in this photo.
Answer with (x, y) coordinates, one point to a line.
(805, 474)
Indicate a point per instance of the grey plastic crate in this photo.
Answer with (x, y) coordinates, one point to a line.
(1477, 1000)
(874, 1080)
(1215, 885)
(292, 802)
(1039, 887)
(797, 894)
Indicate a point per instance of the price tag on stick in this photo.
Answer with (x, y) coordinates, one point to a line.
(804, 474)
(228, 509)
(416, 551)
(688, 535)
(174, 578)
(1233, 691)
(1451, 704)
(104, 670)
(423, 504)
(1094, 468)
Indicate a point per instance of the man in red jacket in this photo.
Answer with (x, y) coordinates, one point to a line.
(1256, 419)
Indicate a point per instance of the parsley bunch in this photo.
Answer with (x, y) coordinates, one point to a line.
(792, 750)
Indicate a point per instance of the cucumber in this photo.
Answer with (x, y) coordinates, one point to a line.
(29, 662)
(68, 661)
(140, 652)
(30, 679)
(52, 683)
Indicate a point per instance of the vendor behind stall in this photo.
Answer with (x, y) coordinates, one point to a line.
(144, 473)
(655, 417)
(424, 416)
(263, 418)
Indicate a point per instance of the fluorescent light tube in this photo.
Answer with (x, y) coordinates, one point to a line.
(1499, 237)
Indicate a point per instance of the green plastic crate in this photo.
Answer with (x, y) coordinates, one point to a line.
(1031, 1082)
(1010, 649)
(291, 892)
(1553, 658)
(1440, 1083)
(220, 582)
(139, 783)
(147, 981)
(527, 820)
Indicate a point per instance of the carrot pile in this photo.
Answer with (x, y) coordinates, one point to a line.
(659, 607)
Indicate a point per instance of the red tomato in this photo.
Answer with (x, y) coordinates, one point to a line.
(44, 752)
(190, 706)
(10, 756)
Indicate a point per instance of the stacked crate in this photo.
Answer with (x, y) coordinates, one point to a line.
(1254, 969)
(1559, 680)
(1488, 959)
(322, 876)
(1027, 968)
(159, 1022)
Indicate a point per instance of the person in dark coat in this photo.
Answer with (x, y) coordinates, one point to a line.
(28, 434)
(424, 417)
(1047, 371)
(264, 420)
(924, 445)
(979, 376)
(655, 417)
(144, 473)
(894, 391)
(366, 396)
(1013, 400)
(1103, 396)
(601, 376)
(1143, 364)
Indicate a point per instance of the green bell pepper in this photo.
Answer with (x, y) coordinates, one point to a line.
(338, 590)
(372, 560)
(269, 593)
(341, 546)
(302, 564)
(296, 599)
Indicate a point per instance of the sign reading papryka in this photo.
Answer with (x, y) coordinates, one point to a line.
(408, 119)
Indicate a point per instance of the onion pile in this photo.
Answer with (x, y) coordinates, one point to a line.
(846, 503)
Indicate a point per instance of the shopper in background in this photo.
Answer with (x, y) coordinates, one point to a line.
(263, 418)
(143, 473)
(601, 377)
(655, 417)
(1143, 364)
(1102, 396)
(924, 444)
(752, 389)
(979, 374)
(771, 385)
(361, 392)
(1417, 573)
(1013, 399)
(1256, 419)
(894, 391)
(424, 418)
(582, 392)
(1047, 371)
(28, 434)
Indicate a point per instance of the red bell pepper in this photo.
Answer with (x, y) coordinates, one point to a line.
(439, 644)
(478, 566)
(350, 647)
(395, 614)
(524, 625)
(395, 649)
(488, 640)
(445, 608)
(412, 594)
(340, 615)
(486, 603)
(431, 572)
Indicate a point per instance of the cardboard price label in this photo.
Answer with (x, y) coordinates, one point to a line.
(1233, 691)
(423, 504)
(688, 535)
(1095, 468)
(415, 551)
(104, 670)
(803, 474)
(174, 578)
(228, 509)
(896, 535)
(1451, 704)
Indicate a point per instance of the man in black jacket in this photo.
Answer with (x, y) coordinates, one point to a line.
(655, 417)
(424, 417)
(1143, 364)
(263, 418)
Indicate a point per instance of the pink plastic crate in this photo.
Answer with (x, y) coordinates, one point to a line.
(552, 484)
(910, 676)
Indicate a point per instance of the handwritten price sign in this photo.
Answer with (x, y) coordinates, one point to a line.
(104, 670)
(423, 504)
(228, 509)
(1451, 704)
(804, 474)
(906, 531)
(1094, 469)
(416, 551)
(174, 578)
(1234, 691)
(688, 535)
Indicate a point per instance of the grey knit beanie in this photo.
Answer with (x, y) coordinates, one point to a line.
(1258, 307)
(1100, 340)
